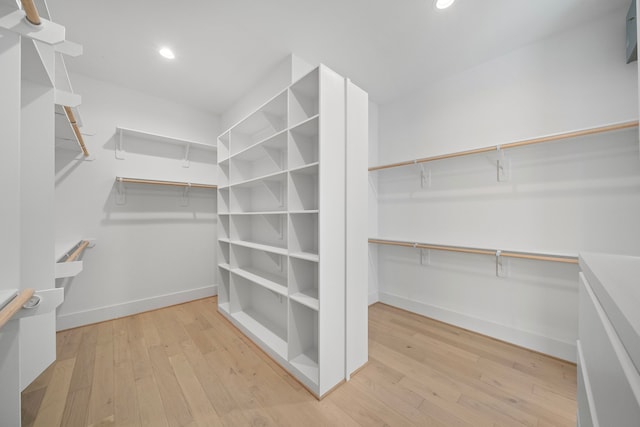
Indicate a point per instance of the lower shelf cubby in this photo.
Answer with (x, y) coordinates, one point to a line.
(265, 269)
(223, 289)
(303, 282)
(303, 340)
(267, 229)
(261, 313)
(303, 235)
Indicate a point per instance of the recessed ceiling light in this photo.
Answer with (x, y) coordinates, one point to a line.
(443, 4)
(167, 53)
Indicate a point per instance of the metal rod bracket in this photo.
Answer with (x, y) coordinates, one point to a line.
(503, 166)
(425, 177)
(120, 146)
(121, 195)
(502, 265)
(425, 257)
(185, 162)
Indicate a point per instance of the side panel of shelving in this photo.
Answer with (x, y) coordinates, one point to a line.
(10, 214)
(331, 222)
(357, 282)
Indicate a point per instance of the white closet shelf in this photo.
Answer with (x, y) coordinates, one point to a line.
(310, 211)
(306, 127)
(167, 183)
(257, 213)
(310, 169)
(225, 266)
(262, 278)
(307, 298)
(67, 264)
(276, 141)
(263, 329)
(306, 256)
(224, 306)
(494, 148)
(255, 182)
(267, 248)
(165, 138)
(307, 365)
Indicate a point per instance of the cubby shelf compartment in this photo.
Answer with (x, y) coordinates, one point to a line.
(260, 312)
(185, 143)
(224, 287)
(266, 229)
(303, 188)
(267, 121)
(303, 235)
(266, 248)
(303, 340)
(303, 143)
(304, 98)
(303, 282)
(260, 195)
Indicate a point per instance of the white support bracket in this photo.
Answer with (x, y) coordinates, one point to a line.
(502, 265)
(121, 195)
(185, 195)
(120, 145)
(15, 20)
(503, 165)
(185, 162)
(425, 257)
(425, 176)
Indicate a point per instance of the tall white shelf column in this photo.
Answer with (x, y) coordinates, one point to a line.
(292, 256)
(29, 94)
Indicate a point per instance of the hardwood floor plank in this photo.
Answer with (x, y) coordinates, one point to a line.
(53, 402)
(175, 405)
(201, 407)
(31, 405)
(152, 412)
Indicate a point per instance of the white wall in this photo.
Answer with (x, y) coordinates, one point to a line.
(151, 251)
(582, 194)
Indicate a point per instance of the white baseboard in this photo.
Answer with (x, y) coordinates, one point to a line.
(373, 297)
(100, 314)
(551, 346)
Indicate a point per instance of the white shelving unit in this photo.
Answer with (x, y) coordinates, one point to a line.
(283, 229)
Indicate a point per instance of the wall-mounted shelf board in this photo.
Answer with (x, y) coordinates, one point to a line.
(186, 144)
(266, 248)
(67, 264)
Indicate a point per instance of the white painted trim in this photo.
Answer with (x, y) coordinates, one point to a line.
(100, 314)
(547, 345)
(374, 297)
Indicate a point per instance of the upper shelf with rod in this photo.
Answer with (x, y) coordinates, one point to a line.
(123, 132)
(67, 263)
(543, 139)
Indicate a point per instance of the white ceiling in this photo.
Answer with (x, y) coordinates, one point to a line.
(223, 47)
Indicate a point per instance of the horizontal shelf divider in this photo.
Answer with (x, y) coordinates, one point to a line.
(303, 167)
(169, 183)
(306, 300)
(303, 122)
(260, 280)
(255, 145)
(306, 256)
(543, 139)
(570, 259)
(267, 248)
(255, 181)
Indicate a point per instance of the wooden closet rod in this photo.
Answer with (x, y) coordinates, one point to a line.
(75, 254)
(550, 138)
(511, 254)
(31, 11)
(157, 182)
(76, 130)
(14, 306)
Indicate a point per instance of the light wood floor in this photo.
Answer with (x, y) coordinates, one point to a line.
(187, 366)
